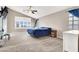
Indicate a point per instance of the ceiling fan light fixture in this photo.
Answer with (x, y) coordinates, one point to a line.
(30, 10)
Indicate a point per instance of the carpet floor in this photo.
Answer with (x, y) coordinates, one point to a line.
(21, 42)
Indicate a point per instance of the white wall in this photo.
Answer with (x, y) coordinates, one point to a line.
(58, 21)
(11, 21)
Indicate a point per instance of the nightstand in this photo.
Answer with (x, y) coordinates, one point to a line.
(54, 33)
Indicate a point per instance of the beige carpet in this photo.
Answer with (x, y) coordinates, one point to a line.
(21, 42)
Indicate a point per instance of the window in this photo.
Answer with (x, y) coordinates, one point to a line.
(73, 22)
(22, 22)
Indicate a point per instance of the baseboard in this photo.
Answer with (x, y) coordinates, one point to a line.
(11, 34)
(60, 37)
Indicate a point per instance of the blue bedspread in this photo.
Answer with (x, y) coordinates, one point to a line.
(39, 32)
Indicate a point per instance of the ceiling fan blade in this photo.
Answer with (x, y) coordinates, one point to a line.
(33, 11)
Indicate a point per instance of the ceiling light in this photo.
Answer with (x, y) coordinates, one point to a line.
(30, 10)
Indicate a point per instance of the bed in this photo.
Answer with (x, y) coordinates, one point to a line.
(39, 32)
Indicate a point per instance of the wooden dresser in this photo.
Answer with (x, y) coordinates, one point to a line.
(54, 33)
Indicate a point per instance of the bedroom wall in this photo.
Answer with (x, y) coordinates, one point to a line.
(11, 21)
(58, 21)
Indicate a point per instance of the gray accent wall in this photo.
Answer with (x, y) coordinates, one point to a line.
(58, 21)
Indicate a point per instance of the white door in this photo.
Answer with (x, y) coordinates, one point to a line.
(70, 42)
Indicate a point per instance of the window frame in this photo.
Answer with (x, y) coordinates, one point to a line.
(73, 25)
(21, 21)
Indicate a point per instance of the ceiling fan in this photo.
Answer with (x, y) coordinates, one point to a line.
(30, 9)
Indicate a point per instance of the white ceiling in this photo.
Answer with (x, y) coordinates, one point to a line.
(42, 10)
